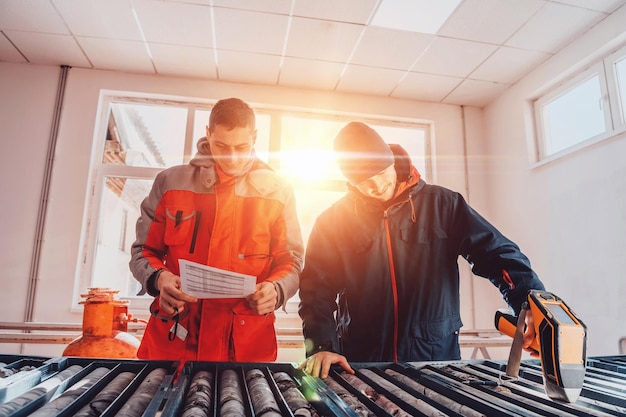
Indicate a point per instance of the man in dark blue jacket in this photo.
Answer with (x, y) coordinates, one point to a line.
(389, 249)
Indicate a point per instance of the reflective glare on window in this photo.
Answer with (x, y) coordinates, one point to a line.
(145, 135)
(306, 147)
(573, 117)
(306, 154)
(310, 204)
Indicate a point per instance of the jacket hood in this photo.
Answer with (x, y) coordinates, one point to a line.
(259, 174)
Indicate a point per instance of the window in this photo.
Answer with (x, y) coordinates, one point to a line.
(586, 109)
(139, 137)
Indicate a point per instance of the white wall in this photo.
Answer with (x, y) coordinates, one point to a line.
(569, 215)
(27, 100)
(27, 103)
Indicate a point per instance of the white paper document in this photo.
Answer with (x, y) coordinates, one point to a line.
(202, 281)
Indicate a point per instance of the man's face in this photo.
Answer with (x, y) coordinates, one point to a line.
(231, 149)
(380, 186)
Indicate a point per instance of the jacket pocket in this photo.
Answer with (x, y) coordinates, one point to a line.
(257, 264)
(254, 337)
(422, 235)
(178, 225)
(433, 331)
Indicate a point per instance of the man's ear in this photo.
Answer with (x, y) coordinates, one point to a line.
(402, 161)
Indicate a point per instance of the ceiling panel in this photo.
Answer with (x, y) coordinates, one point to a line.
(475, 93)
(326, 45)
(31, 16)
(50, 49)
(248, 68)
(322, 39)
(95, 18)
(368, 80)
(489, 21)
(308, 73)
(9, 53)
(269, 6)
(453, 57)
(553, 27)
(379, 47)
(508, 65)
(255, 32)
(426, 87)
(179, 60)
(175, 23)
(606, 6)
(119, 55)
(351, 11)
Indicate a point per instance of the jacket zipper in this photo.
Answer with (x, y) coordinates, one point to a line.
(394, 288)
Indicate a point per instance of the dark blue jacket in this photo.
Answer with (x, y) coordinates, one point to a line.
(395, 271)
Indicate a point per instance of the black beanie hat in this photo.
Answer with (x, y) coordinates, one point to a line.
(361, 153)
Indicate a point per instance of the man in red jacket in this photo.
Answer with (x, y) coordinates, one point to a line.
(226, 209)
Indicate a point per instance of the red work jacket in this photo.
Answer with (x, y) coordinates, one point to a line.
(246, 224)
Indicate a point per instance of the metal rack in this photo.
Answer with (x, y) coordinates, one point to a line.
(382, 389)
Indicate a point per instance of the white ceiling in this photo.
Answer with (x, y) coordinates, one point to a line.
(331, 45)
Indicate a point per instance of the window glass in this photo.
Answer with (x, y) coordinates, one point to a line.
(306, 146)
(310, 203)
(620, 73)
(119, 210)
(145, 135)
(574, 116)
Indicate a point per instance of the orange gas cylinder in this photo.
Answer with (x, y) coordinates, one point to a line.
(105, 326)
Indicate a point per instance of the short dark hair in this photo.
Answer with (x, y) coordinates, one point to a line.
(232, 113)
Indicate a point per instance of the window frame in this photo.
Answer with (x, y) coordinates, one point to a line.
(99, 171)
(610, 100)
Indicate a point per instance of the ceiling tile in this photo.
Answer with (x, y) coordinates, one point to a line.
(48, 49)
(298, 72)
(369, 80)
(118, 55)
(374, 48)
(100, 19)
(351, 11)
(453, 57)
(606, 6)
(269, 6)
(553, 27)
(175, 23)
(183, 60)
(475, 93)
(508, 65)
(8, 53)
(248, 68)
(303, 43)
(31, 16)
(254, 32)
(425, 87)
(423, 16)
(490, 21)
(321, 39)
